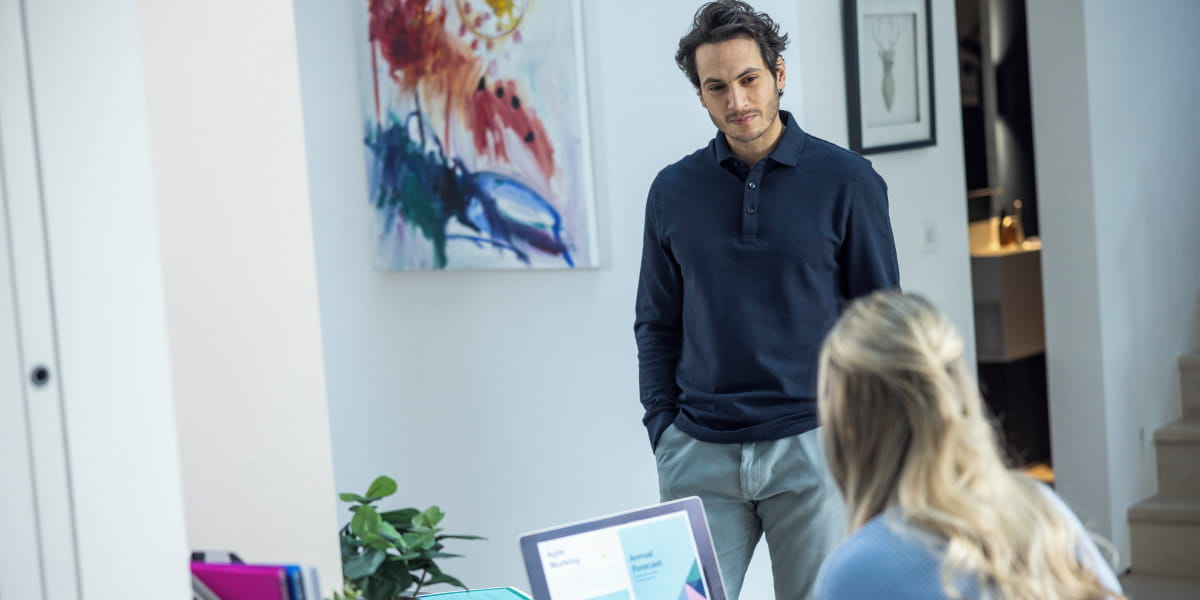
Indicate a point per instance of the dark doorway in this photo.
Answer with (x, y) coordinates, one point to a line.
(1002, 206)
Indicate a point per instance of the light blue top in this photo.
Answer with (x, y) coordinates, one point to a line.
(888, 558)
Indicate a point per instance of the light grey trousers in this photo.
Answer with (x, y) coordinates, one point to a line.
(782, 488)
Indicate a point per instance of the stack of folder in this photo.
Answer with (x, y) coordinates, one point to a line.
(240, 581)
(213, 581)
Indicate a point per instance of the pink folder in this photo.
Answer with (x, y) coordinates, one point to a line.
(243, 582)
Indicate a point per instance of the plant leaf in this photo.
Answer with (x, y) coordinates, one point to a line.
(350, 545)
(382, 487)
(402, 519)
(363, 565)
(352, 498)
(444, 578)
(430, 518)
(461, 537)
(366, 520)
(420, 540)
(398, 574)
(374, 540)
(379, 588)
(388, 531)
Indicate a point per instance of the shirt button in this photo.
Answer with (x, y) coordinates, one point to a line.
(749, 210)
(753, 185)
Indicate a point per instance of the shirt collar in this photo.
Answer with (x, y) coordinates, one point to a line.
(787, 152)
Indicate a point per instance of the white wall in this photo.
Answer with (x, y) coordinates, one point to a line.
(510, 398)
(1116, 146)
(240, 280)
(1146, 146)
(1070, 287)
(927, 186)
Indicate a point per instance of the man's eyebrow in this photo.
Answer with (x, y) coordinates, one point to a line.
(744, 73)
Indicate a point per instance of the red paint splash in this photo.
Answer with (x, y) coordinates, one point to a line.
(412, 38)
(426, 59)
(497, 106)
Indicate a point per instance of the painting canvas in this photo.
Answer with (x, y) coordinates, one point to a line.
(476, 134)
(889, 75)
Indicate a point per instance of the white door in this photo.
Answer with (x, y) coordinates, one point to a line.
(37, 555)
(91, 502)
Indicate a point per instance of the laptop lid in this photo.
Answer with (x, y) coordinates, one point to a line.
(661, 552)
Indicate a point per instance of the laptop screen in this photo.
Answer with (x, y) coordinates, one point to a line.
(659, 552)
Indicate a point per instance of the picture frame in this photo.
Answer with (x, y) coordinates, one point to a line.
(889, 75)
(476, 134)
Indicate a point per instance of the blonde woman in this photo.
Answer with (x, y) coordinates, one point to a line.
(934, 512)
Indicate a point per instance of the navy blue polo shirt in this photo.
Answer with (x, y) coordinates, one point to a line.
(744, 270)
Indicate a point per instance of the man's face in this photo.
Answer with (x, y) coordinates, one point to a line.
(737, 89)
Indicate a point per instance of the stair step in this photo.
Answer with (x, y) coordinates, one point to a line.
(1177, 450)
(1164, 530)
(1189, 384)
(1141, 587)
(1165, 537)
(1178, 470)
(1166, 510)
(1186, 431)
(1190, 360)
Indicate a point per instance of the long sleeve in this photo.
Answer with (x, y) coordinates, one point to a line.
(883, 560)
(658, 327)
(742, 275)
(1088, 553)
(868, 254)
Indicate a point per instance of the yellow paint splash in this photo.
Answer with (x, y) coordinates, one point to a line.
(509, 15)
(501, 8)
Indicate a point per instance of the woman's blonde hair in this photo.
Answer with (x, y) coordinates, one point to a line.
(905, 428)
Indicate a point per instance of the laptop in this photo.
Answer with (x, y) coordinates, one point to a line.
(661, 552)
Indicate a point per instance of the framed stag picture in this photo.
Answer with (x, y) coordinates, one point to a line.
(475, 131)
(889, 75)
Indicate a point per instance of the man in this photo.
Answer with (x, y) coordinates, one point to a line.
(752, 246)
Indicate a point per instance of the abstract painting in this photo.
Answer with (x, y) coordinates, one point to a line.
(476, 134)
(889, 75)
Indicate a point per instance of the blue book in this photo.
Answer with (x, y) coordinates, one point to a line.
(295, 584)
(312, 586)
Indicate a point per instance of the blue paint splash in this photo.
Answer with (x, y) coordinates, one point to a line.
(412, 180)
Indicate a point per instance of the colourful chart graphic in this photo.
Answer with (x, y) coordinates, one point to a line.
(662, 559)
(650, 559)
(694, 590)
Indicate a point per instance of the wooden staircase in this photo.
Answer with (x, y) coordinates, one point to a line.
(1165, 528)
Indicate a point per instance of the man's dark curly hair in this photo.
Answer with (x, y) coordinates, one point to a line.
(724, 20)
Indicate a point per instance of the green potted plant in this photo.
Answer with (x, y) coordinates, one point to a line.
(386, 553)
